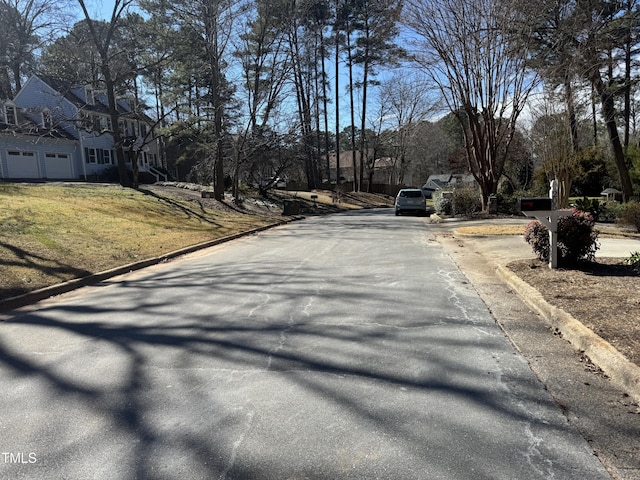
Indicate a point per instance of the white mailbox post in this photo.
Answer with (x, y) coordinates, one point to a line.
(545, 211)
(549, 219)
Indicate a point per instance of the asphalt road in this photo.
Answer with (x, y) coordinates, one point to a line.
(341, 347)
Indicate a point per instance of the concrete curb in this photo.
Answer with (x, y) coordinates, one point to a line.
(622, 373)
(64, 287)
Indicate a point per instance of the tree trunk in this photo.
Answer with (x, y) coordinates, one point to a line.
(609, 114)
(352, 110)
(573, 123)
(218, 112)
(337, 68)
(123, 174)
(363, 141)
(325, 113)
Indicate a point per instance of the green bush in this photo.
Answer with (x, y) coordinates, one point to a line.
(589, 205)
(609, 212)
(466, 201)
(634, 261)
(508, 203)
(630, 215)
(577, 238)
(441, 204)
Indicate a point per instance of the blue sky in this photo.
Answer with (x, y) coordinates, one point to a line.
(102, 9)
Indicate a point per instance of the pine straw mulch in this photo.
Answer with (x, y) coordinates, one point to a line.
(603, 295)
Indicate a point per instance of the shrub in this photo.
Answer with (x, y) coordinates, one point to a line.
(508, 203)
(630, 215)
(110, 174)
(537, 235)
(634, 261)
(466, 201)
(589, 205)
(442, 204)
(609, 212)
(577, 239)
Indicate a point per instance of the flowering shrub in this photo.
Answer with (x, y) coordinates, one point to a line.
(577, 239)
(537, 235)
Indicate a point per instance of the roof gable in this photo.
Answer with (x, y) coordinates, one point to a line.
(29, 122)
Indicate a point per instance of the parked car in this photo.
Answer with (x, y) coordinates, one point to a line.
(411, 200)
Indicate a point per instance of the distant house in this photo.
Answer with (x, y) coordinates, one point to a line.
(385, 169)
(54, 130)
(446, 181)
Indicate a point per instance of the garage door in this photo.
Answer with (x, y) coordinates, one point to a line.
(22, 164)
(57, 165)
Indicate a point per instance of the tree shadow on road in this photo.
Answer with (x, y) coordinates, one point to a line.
(171, 389)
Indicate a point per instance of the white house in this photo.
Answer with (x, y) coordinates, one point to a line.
(53, 130)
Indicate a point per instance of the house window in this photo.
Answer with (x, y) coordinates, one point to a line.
(105, 123)
(108, 156)
(86, 121)
(89, 96)
(10, 112)
(90, 155)
(104, 157)
(143, 130)
(46, 119)
(95, 123)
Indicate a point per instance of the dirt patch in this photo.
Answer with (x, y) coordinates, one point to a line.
(604, 296)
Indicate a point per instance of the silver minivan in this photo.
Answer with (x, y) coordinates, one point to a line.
(411, 200)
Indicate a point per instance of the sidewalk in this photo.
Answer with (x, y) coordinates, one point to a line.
(605, 413)
(499, 250)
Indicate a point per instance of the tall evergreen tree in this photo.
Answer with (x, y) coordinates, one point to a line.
(580, 38)
(207, 28)
(376, 23)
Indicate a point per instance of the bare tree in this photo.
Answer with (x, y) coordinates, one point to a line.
(463, 45)
(552, 144)
(103, 40)
(407, 103)
(266, 67)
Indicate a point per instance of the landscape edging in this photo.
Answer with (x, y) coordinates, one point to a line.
(620, 370)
